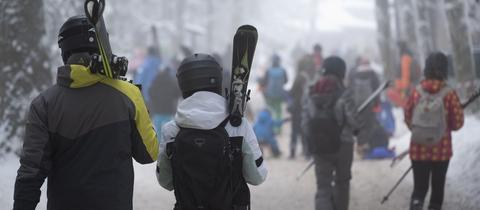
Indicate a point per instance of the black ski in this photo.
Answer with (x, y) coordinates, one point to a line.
(244, 43)
(94, 12)
(106, 63)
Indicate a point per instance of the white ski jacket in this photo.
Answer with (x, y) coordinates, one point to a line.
(206, 110)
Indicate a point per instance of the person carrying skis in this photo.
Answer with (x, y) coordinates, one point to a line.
(432, 111)
(203, 158)
(82, 133)
(330, 123)
(273, 81)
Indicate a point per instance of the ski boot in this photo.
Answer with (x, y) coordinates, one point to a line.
(416, 204)
(434, 207)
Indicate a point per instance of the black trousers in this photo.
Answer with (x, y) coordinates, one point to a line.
(426, 172)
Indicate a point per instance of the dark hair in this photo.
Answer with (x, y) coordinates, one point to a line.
(436, 66)
(334, 65)
(317, 48)
(276, 60)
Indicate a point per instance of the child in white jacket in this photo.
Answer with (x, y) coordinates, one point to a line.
(204, 109)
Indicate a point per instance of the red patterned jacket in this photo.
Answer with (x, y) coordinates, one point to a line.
(454, 116)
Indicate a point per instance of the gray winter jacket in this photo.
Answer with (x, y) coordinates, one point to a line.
(346, 114)
(81, 134)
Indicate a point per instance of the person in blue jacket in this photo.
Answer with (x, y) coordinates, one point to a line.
(147, 72)
(264, 130)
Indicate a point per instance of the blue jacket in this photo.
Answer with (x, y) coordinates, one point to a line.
(146, 74)
(265, 124)
(386, 118)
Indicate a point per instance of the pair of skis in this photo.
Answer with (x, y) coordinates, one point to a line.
(360, 109)
(106, 63)
(94, 12)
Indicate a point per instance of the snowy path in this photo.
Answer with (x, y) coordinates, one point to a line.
(371, 181)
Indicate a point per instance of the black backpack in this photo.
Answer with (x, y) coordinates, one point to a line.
(322, 129)
(207, 170)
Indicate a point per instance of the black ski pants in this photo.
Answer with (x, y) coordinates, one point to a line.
(426, 172)
(296, 133)
(333, 173)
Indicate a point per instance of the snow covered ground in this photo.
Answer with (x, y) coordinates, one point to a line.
(371, 179)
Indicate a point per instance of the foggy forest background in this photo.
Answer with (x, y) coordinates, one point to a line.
(29, 52)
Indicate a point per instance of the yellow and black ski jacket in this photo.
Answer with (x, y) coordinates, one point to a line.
(81, 134)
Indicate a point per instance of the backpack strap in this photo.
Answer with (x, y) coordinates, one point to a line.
(420, 89)
(224, 122)
(442, 93)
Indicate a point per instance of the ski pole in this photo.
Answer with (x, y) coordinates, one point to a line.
(399, 158)
(396, 185)
(471, 99)
(310, 164)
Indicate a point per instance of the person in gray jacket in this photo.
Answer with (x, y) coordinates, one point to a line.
(203, 109)
(82, 134)
(333, 165)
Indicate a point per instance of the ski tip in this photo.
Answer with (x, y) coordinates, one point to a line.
(235, 121)
(247, 28)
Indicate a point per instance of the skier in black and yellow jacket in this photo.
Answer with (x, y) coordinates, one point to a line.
(82, 133)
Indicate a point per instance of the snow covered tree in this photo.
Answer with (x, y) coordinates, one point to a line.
(24, 66)
(408, 25)
(384, 37)
(425, 34)
(56, 13)
(460, 38)
(474, 21)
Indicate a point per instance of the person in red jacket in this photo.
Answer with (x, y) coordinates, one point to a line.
(430, 163)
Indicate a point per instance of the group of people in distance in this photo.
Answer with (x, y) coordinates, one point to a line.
(83, 132)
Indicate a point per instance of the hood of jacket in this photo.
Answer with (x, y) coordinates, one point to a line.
(202, 110)
(432, 86)
(77, 76)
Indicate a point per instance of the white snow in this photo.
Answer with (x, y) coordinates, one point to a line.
(371, 179)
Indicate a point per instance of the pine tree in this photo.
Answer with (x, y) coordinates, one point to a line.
(24, 66)
(408, 25)
(424, 29)
(385, 38)
(460, 38)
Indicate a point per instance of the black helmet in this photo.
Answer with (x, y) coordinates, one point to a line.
(77, 35)
(334, 65)
(199, 72)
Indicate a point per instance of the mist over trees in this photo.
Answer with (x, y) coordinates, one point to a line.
(24, 65)
(30, 54)
(450, 26)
